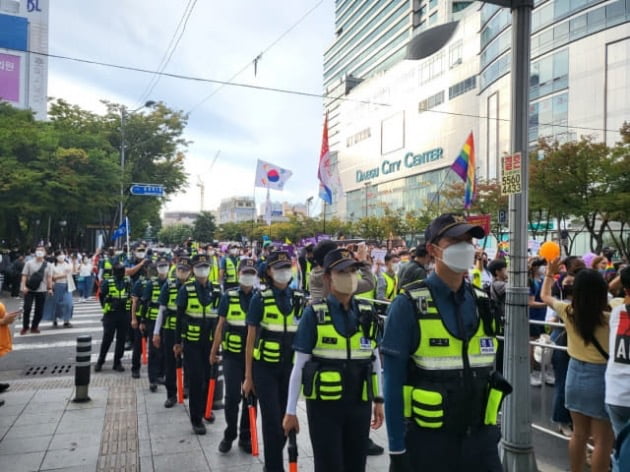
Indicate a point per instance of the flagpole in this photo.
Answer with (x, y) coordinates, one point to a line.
(437, 194)
(253, 218)
(127, 233)
(324, 217)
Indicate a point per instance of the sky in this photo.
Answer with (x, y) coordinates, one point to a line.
(221, 38)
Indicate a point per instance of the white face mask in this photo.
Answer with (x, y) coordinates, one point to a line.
(247, 280)
(396, 266)
(282, 276)
(61, 258)
(140, 254)
(162, 270)
(201, 272)
(344, 282)
(459, 257)
(40, 253)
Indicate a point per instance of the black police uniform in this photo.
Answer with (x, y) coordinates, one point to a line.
(150, 309)
(114, 298)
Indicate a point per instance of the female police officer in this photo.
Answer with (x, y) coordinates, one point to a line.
(272, 321)
(338, 365)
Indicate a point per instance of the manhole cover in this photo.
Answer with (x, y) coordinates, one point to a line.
(35, 371)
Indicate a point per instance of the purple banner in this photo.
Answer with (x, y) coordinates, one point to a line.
(10, 78)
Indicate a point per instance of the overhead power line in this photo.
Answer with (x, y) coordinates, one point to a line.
(295, 92)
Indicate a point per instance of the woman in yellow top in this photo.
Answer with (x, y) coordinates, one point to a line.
(586, 321)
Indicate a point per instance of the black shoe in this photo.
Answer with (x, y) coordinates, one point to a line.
(170, 402)
(245, 445)
(199, 428)
(185, 393)
(119, 368)
(153, 388)
(225, 445)
(3, 387)
(54, 324)
(211, 418)
(67, 324)
(374, 449)
(135, 374)
(98, 367)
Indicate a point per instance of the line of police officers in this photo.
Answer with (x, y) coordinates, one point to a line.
(441, 394)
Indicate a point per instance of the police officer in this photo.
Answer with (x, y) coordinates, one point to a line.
(150, 311)
(231, 334)
(441, 394)
(338, 366)
(114, 298)
(166, 324)
(387, 283)
(213, 258)
(306, 266)
(228, 268)
(196, 317)
(139, 282)
(272, 321)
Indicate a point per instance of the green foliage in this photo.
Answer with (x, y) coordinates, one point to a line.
(68, 170)
(175, 234)
(204, 227)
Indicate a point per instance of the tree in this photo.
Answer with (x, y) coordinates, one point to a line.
(204, 227)
(175, 234)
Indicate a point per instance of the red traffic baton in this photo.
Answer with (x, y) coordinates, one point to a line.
(214, 372)
(180, 380)
(293, 452)
(145, 358)
(253, 432)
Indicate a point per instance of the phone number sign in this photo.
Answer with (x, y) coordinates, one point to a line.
(511, 175)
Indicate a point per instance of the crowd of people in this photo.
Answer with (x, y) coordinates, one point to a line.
(367, 335)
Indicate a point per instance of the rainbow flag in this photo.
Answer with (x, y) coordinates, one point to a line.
(464, 166)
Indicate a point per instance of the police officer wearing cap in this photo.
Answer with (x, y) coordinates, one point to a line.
(150, 310)
(166, 324)
(139, 282)
(231, 335)
(272, 321)
(338, 368)
(228, 273)
(114, 297)
(196, 319)
(441, 393)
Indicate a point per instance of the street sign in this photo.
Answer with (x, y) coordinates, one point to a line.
(147, 190)
(502, 217)
(511, 175)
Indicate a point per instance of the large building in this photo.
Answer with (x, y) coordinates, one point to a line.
(23, 54)
(236, 210)
(400, 126)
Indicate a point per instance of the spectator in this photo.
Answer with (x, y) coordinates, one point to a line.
(6, 342)
(618, 369)
(599, 263)
(86, 281)
(63, 286)
(37, 295)
(537, 311)
(16, 274)
(586, 322)
(498, 270)
(415, 269)
(387, 282)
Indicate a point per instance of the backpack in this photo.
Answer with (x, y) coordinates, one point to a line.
(35, 280)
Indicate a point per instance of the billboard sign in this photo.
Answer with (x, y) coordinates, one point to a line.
(10, 77)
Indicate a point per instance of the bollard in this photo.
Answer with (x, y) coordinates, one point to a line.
(82, 369)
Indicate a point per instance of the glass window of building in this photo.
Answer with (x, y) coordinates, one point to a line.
(433, 3)
(462, 87)
(455, 54)
(433, 18)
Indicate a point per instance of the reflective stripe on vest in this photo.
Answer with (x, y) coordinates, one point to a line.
(332, 345)
(194, 308)
(440, 350)
(120, 295)
(230, 270)
(154, 307)
(307, 275)
(214, 270)
(273, 319)
(391, 287)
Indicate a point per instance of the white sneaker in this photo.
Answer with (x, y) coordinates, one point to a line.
(534, 379)
(565, 429)
(550, 378)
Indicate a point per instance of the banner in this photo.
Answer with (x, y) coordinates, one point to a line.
(270, 176)
(122, 230)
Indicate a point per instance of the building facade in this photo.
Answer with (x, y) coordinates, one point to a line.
(236, 210)
(398, 129)
(23, 54)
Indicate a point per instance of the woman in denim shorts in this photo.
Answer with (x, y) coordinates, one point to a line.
(586, 321)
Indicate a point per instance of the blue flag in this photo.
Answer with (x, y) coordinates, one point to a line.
(122, 230)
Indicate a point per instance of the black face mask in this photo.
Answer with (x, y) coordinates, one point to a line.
(567, 290)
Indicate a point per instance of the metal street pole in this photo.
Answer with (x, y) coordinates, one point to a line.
(518, 451)
(367, 184)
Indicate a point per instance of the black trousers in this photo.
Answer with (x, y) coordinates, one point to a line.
(272, 387)
(234, 374)
(39, 298)
(339, 434)
(170, 365)
(114, 322)
(197, 367)
(156, 359)
(15, 285)
(449, 452)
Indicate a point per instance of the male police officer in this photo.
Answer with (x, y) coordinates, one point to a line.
(196, 318)
(231, 334)
(338, 366)
(114, 298)
(450, 395)
(167, 321)
(150, 311)
(228, 269)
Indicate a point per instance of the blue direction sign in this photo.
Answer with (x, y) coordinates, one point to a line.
(147, 190)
